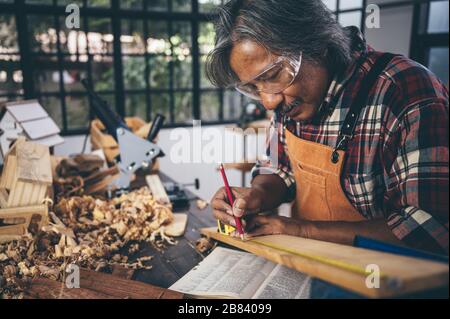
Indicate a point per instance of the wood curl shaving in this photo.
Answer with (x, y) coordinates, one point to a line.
(92, 233)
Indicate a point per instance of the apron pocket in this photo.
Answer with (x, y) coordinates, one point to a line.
(311, 177)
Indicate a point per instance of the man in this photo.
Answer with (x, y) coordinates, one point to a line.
(362, 136)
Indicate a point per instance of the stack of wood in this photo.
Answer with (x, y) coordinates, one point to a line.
(83, 174)
(25, 183)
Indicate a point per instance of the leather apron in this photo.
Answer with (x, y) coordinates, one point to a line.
(317, 168)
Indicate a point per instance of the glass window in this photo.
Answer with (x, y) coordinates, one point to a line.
(98, 3)
(157, 5)
(159, 72)
(8, 34)
(183, 107)
(161, 104)
(350, 4)
(52, 104)
(100, 37)
(438, 18)
(438, 63)
(132, 37)
(181, 5)
(134, 72)
(136, 105)
(210, 106)
(208, 5)
(350, 18)
(77, 109)
(46, 74)
(331, 4)
(131, 4)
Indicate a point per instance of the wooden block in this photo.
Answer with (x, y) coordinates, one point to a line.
(3, 198)
(95, 285)
(157, 189)
(345, 266)
(33, 163)
(23, 216)
(177, 227)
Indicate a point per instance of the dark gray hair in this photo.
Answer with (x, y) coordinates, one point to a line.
(283, 27)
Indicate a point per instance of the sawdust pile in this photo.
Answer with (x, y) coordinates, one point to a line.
(92, 233)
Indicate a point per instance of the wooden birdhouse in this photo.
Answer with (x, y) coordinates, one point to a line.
(27, 175)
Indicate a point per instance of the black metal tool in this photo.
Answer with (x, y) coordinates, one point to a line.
(134, 151)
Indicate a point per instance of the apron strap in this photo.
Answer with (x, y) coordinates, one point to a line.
(349, 125)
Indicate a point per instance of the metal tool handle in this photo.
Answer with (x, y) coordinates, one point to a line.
(156, 127)
(106, 115)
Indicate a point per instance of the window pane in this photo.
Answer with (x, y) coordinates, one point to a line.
(66, 2)
(136, 105)
(134, 72)
(350, 4)
(159, 72)
(161, 105)
(72, 41)
(206, 37)
(42, 33)
(77, 108)
(132, 38)
(204, 82)
(232, 105)
(183, 107)
(208, 5)
(350, 18)
(331, 4)
(438, 20)
(182, 72)
(47, 2)
(8, 34)
(131, 4)
(46, 74)
(52, 104)
(210, 106)
(181, 5)
(157, 5)
(103, 73)
(74, 71)
(438, 63)
(158, 41)
(181, 38)
(98, 3)
(100, 37)
(9, 66)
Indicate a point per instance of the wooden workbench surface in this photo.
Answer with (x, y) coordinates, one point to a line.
(175, 261)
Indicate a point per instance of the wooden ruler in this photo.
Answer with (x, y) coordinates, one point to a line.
(349, 267)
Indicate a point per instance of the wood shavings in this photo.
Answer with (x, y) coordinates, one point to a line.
(90, 232)
(202, 204)
(203, 245)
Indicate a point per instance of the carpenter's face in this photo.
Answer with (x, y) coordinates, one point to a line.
(302, 98)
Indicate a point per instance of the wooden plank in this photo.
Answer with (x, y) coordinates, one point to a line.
(33, 163)
(157, 189)
(122, 288)
(3, 198)
(178, 225)
(9, 171)
(43, 288)
(24, 214)
(343, 265)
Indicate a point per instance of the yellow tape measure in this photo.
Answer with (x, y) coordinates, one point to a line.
(333, 262)
(224, 229)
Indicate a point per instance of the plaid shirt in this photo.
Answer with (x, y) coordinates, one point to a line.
(397, 162)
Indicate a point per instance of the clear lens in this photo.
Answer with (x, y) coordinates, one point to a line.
(274, 80)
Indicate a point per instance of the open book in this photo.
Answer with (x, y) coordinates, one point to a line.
(227, 273)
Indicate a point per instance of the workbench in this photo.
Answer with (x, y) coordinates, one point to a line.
(174, 262)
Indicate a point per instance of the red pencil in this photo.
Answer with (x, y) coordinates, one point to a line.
(231, 201)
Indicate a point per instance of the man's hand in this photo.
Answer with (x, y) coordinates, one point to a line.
(275, 225)
(247, 201)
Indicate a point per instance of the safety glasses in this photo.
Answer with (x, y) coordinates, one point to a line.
(274, 79)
